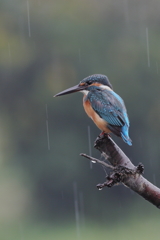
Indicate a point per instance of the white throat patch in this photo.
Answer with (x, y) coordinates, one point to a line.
(105, 87)
(85, 92)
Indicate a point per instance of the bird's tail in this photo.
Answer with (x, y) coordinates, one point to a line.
(125, 136)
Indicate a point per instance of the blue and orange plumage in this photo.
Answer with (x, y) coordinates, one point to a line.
(105, 107)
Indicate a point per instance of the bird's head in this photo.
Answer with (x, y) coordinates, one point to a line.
(98, 80)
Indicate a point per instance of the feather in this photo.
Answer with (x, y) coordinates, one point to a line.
(110, 107)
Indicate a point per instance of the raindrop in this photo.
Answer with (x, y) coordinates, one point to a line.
(93, 161)
(99, 186)
(76, 209)
(79, 54)
(46, 111)
(28, 15)
(147, 39)
(48, 141)
(89, 140)
(89, 143)
(9, 53)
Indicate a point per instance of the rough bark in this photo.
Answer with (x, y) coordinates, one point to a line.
(123, 171)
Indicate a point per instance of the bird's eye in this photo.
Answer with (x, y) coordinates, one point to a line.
(89, 82)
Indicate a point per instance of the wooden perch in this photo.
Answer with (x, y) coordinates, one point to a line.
(123, 171)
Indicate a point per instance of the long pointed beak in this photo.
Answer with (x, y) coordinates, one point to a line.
(76, 88)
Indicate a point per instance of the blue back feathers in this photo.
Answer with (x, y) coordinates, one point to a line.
(110, 107)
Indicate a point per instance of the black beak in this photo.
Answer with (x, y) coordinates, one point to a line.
(76, 88)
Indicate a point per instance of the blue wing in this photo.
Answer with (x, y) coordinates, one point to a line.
(110, 106)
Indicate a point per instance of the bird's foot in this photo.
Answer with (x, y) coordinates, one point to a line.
(100, 138)
(103, 135)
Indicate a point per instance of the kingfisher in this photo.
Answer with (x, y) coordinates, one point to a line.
(105, 107)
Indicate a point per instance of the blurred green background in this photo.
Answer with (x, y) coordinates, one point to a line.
(47, 191)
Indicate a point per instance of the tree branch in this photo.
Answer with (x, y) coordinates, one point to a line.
(123, 171)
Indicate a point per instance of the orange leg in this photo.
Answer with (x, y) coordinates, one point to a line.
(103, 134)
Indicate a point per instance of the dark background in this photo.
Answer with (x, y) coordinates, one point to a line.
(46, 47)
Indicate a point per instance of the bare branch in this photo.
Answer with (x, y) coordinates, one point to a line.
(95, 160)
(123, 171)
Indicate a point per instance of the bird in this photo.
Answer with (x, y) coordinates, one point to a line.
(104, 106)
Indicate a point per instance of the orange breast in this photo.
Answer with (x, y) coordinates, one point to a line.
(100, 123)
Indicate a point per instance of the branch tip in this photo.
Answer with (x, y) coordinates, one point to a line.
(95, 160)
